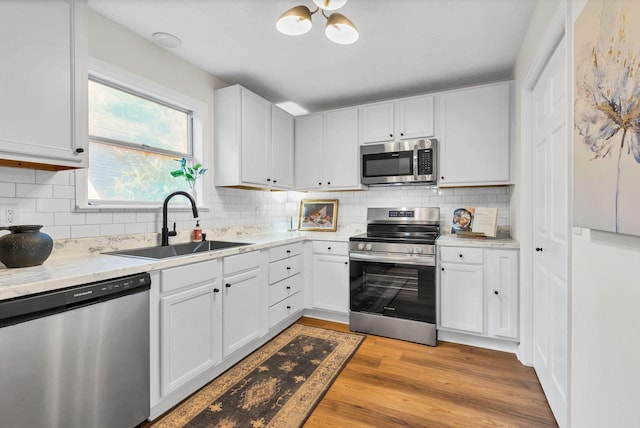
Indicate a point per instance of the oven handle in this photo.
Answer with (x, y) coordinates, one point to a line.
(388, 258)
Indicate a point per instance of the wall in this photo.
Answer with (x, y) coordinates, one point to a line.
(605, 375)
(48, 198)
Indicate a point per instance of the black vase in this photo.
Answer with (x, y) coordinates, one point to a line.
(24, 246)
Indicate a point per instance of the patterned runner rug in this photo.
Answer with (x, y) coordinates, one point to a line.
(278, 385)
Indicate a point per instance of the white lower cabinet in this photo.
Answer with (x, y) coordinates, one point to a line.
(478, 291)
(189, 318)
(244, 313)
(331, 276)
(285, 282)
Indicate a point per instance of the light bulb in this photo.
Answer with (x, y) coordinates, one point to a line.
(330, 4)
(295, 21)
(341, 30)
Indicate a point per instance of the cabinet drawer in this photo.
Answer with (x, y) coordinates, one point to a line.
(284, 268)
(331, 247)
(283, 309)
(241, 263)
(461, 255)
(184, 276)
(284, 251)
(285, 288)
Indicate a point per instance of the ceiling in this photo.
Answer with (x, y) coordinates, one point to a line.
(406, 47)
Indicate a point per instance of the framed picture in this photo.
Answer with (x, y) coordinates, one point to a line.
(320, 215)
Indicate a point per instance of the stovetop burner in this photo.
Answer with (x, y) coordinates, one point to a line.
(401, 225)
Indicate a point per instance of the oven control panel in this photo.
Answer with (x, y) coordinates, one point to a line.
(387, 247)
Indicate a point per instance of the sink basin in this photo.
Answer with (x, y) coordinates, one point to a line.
(177, 249)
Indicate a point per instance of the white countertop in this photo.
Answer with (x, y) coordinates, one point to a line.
(455, 241)
(85, 268)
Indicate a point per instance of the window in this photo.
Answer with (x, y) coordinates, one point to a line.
(134, 141)
(138, 130)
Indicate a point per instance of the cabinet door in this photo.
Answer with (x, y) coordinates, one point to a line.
(376, 122)
(281, 149)
(243, 306)
(414, 118)
(475, 136)
(461, 297)
(342, 149)
(256, 138)
(188, 335)
(309, 153)
(501, 284)
(331, 283)
(43, 82)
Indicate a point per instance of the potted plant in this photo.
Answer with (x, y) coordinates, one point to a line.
(190, 173)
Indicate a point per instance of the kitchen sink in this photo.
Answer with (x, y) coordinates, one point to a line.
(163, 252)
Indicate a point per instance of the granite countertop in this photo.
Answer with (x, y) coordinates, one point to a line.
(91, 266)
(498, 242)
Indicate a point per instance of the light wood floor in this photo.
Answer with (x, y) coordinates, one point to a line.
(393, 383)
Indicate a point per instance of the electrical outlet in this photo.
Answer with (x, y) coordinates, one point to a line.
(9, 214)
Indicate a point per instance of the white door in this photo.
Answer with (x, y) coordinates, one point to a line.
(331, 283)
(550, 232)
(342, 149)
(281, 149)
(309, 151)
(461, 297)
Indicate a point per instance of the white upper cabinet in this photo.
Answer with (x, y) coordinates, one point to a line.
(475, 136)
(326, 151)
(281, 149)
(402, 119)
(253, 141)
(43, 84)
(309, 152)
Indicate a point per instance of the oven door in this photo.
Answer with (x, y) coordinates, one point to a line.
(388, 163)
(399, 286)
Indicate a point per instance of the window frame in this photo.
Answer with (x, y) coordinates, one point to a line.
(123, 80)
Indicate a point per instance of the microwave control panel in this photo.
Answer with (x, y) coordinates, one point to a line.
(425, 162)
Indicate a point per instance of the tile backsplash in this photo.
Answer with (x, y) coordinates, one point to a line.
(48, 198)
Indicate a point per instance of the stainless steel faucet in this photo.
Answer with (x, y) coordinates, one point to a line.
(165, 230)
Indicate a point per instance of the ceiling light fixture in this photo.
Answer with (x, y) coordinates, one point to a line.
(339, 28)
(166, 40)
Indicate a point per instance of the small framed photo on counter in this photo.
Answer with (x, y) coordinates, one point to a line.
(318, 215)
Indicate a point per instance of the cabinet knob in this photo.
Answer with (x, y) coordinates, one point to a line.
(328, 183)
(79, 150)
(288, 267)
(288, 307)
(460, 255)
(288, 251)
(275, 181)
(268, 180)
(402, 134)
(216, 290)
(496, 292)
(442, 178)
(391, 135)
(539, 249)
(442, 269)
(228, 285)
(346, 263)
(320, 183)
(288, 287)
(329, 248)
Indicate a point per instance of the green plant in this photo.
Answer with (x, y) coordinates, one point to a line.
(190, 173)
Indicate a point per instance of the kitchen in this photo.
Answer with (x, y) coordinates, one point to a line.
(601, 319)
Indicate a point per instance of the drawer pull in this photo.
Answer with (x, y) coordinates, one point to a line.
(288, 251)
(329, 248)
(288, 307)
(288, 287)
(228, 285)
(460, 255)
(288, 267)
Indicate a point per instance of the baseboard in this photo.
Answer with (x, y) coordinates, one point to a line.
(481, 342)
(322, 314)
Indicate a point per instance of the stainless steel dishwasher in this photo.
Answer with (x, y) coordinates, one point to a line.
(76, 357)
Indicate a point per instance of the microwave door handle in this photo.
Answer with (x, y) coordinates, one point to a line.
(415, 162)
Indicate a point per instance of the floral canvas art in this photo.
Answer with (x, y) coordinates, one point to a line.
(607, 116)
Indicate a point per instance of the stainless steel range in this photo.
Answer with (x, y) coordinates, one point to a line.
(393, 277)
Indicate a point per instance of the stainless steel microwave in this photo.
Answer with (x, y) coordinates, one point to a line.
(406, 162)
